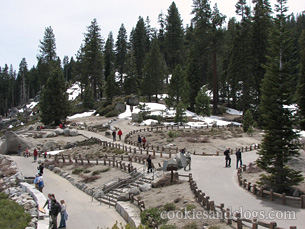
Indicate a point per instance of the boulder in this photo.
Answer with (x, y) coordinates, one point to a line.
(73, 132)
(120, 107)
(59, 131)
(135, 191)
(66, 132)
(123, 197)
(11, 143)
(13, 113)
(145, 187)
(133, 101)
(135, 117)
(49, 146)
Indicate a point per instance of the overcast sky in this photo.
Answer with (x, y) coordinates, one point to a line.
(22, 23)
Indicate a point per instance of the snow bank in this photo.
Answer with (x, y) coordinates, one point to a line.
(85, 114)
(74, 91)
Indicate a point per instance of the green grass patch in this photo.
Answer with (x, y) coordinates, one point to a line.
(98, 172)
(78, 171)
(155, 213)
(169, 207)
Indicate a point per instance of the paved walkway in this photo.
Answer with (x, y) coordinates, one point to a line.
(221, 185)
(83, 213)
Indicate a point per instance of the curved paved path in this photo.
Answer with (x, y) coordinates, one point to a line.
(83, 213)
(221, 185)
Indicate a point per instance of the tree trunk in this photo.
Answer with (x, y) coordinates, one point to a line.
(215, 82)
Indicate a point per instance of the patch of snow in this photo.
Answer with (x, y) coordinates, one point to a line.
(31, 105)
(85, 114)
(54, 152)
(233, 111)
(148, 122)
(74, 91)
(10, 127)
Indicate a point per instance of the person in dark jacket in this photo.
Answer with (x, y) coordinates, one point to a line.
(238, 158)
(149, 164)
(55, 210)
(227, 157)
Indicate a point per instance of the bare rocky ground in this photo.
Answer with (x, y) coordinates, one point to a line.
(202, 141)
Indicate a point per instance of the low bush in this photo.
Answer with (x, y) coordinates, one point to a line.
(168, 227)
(192, 225)
(112, 113)
(155, 213)
(78, 171)
(98, 172)
(169, 207)
(173, 134)
(190, 207)
(88, 178)
(12, 215)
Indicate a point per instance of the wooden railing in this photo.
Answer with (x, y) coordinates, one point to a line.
(225, 213)
(271, 195)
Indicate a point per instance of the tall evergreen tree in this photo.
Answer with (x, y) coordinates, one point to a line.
(203, 102)
(301, 84)
(54, 104)
(153, 72)
(23, 75)
(47, 57)
(92, 59)
(174, 39)
(109, 56)
(111, 87)
(278, 146)
(261, 26)
(121, 52)
(140, 47)
(178, 89)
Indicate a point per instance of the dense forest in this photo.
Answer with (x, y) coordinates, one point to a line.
(227, 56)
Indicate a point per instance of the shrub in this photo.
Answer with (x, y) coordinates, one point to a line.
(112, 113)
(155, 213)
(173, 134)
(98, 172)
(78, 171)
(190, 207)
(86, 171)
(88, 179)
(12, 215)
(104, 110)
(169, 207)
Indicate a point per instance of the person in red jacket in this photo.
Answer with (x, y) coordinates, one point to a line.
(35, 154)
(120, 134)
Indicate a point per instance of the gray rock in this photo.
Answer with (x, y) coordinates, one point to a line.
(135, 191)
(98, 194)
(123, 197)
(66, 132)
(296, 193)
(11, 143)
(133, 101)
(13, 113)
(120, 107)
(145, 187)
(73, 132)
(59, 131)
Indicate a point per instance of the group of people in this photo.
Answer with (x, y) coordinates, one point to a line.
(141, 142)
(55, 208)
(120, 133)
(228, 158)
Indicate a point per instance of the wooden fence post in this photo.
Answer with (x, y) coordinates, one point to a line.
(228, 216)
(239, 221)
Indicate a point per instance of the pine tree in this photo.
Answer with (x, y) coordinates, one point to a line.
(178, 89)
(180, 116)
(153, 72)
(140, 47)
(93, 57)
(278, 146)
(111, 87)
(174, 41)
(88, 100)
(121, 52)
(54, 105)
(203, 103)
(261, 26)
(47, 57)
(301, 84)
(109, 56)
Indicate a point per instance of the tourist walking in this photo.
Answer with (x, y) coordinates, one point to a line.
(149, 164)
(35, 154)
(19, 149)
(114, 135)
(120, 133)
(238, 158)
(227, 157)
(40, 182)
(139, 141)
(144, 142)
(40, 168)
(63, 214)
(49, 202)
(55, 210)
